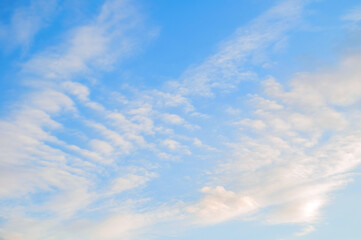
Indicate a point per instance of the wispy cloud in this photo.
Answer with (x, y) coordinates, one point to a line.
(82, 163)
(26, 22)
(226, 68)
(353, 15)
(70, 179)
(34, 160)
(290, 165)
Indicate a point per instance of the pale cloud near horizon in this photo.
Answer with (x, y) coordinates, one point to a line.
(300, 142)
(288, 164)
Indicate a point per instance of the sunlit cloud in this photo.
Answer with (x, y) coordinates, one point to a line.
(239, 137)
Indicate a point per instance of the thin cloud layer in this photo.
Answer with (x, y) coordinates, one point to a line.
(289, 164)
(26, 22)
(83, 157)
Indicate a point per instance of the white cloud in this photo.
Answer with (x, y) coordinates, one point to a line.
(224, 69)
(130, 181)
(255, 124)
(101, 146)
(285, 166)
(353, 15)
(298, 212)
(66, 204)
(89, 155)
(87, 44)
(26, 22)
(197, 142)
(172, 119)
(169, 99)
(306, 230)
(122, 145)
(96, 45)
(175, 146)
(265, 104)
(76, 89)
(120, 226)
(338, 86)
(220, 205)
(289, 167)
(138, 121)
(171, 144)
(59, 177)
(50, 101)
(233, 111)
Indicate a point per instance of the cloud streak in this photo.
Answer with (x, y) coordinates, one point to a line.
(288, 165)
(86, 165)
(26, 22)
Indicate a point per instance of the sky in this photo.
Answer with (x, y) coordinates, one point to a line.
(180, 120)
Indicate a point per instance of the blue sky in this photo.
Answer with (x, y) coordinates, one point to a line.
(132, 119)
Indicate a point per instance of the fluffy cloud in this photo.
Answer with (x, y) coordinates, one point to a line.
(290, 166)
(220, 205)
(59, 175)
(304, 141)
